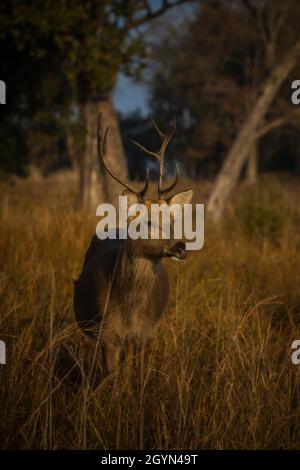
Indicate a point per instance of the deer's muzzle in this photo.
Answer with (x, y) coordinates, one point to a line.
(178, 251)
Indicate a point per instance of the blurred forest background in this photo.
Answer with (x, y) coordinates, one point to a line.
(219, 374)
(223, 68)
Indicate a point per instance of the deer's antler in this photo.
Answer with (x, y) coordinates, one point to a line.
(102, 150)
(160, 154)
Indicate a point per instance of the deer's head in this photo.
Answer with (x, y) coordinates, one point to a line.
(160, 247)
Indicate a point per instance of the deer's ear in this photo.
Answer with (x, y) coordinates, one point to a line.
(184, 197)
(131, 197)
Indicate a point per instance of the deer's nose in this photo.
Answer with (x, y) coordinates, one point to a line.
(178, 251)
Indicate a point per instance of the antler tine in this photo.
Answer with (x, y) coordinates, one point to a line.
(156, 155)
(164, 137)
(165, 143)
(159, 155)
(149, 152)
(172, 185)
(102, 149)
(160, 133)
(171, 133)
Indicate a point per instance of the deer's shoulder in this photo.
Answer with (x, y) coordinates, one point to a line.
(101, 248)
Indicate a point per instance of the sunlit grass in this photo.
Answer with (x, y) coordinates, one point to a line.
(219, 374)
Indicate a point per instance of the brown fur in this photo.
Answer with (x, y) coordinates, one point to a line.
(123, 288)
(119, 295)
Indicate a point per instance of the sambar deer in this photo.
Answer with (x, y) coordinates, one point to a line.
(123, 288)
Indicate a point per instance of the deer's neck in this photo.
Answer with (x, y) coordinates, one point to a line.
(138, 270)
(134, 285)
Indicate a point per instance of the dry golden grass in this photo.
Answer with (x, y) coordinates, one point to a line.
(219, 374)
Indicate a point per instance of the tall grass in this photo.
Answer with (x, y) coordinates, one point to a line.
(219, 373)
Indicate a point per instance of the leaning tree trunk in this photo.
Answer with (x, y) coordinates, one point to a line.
(229, 174)
(252, 164)
(95, 186)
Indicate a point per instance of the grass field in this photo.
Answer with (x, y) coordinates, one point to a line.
(219, 375)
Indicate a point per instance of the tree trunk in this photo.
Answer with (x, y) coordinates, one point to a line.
(251, 165)
(71, 149)
(231, 169)
(95, 186)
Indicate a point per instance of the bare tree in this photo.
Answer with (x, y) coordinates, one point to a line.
(241, 147)
(252, 164)
(92, 187)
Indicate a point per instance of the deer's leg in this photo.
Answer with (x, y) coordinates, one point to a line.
(111, 354)
(143, 347)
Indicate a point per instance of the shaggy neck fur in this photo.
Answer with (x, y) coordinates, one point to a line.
(134, 281)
